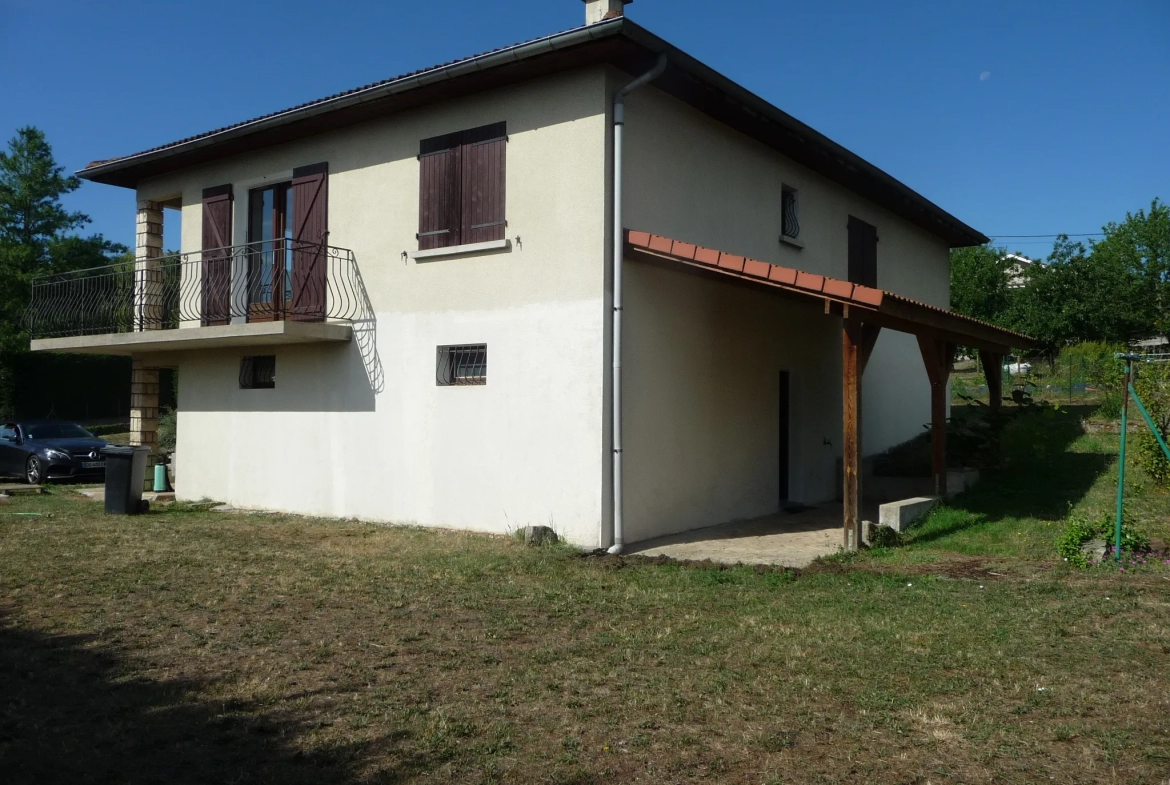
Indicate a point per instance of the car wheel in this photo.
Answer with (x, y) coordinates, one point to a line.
(34, 470)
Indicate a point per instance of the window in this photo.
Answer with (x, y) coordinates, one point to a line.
(8, 432)
(789, 213)
(258, 372)
(460, 365)
(461, 187)
(862, 252)
(270, 250)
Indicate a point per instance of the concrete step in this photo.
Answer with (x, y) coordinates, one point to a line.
(20, 489)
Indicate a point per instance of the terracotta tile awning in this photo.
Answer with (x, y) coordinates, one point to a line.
(868, 305)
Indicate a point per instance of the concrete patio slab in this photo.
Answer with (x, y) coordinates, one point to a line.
(781, 539)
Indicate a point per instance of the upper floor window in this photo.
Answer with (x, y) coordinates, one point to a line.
(461, 187)
(789, 213)
(862, 252)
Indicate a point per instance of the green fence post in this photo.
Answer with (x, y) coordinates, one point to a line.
(1121, 457)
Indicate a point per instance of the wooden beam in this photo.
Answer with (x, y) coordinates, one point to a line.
(936, 356)
(852, 350)
(869, 336)
(993, 372)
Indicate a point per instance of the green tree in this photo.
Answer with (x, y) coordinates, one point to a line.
(1141, 245)
(1079, 295)
(36, 237)
(31, 187)
(979, 283)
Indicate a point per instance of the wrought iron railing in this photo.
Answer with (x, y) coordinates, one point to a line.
(262, 281)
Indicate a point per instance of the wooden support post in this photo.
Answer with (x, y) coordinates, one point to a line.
(851, 343)
(936, 356)
(857, 343)
(993, 372)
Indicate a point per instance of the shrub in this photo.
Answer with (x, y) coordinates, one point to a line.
(167, 425)
(1081, 529)
(1153, 385)
(885, 537)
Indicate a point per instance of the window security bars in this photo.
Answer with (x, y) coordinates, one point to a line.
(262, 281)
(461, 365)
(789, 222)
(258, 372)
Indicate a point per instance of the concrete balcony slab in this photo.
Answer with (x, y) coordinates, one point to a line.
(195, 338)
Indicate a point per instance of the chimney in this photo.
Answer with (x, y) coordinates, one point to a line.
(600, 10)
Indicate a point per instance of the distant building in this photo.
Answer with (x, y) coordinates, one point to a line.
(1018, 271)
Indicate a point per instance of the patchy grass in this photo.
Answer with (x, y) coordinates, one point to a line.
(1018, 512)
(187, 646)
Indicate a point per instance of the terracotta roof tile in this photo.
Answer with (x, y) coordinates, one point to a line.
(706, 255)
(784, 275)
(756, 268)
(812, 284)
(730, 261)
(810, 281)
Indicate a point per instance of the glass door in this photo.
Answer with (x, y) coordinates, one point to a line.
(270, 252)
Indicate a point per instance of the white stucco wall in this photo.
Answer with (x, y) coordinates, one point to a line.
(524, 449)
(701, 395)
(691, 178)
(702, 367)
(702, 359)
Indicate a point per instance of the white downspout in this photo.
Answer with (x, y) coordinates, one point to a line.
(619, 247)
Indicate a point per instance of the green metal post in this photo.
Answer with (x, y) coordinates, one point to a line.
(1149, 421)
(1121, 462)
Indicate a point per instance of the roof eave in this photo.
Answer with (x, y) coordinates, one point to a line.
(863, 177)
(108, 172)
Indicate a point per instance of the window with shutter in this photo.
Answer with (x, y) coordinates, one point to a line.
(862, 252)
(462, 187)
(216, 273)
(310, 194)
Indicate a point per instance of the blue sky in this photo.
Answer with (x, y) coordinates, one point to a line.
(1018, 116)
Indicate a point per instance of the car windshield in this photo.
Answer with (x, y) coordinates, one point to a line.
(56, 430)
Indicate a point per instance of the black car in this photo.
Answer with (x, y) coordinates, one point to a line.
(40, 450)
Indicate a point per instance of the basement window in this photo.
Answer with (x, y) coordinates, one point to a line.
(464, 364)
(789, 214)
(258, 372)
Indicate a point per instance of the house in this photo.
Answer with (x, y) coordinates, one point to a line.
(420, 300)
(1018, 268)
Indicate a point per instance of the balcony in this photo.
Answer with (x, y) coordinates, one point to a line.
(266, 293)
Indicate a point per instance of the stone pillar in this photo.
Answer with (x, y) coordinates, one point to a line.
(148, 285)
(144, 413)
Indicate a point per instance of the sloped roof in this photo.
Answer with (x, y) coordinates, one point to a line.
(618, 42)
(875, 306)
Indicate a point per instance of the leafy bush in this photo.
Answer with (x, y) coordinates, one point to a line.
(1153, 386)
(167, 425)
(885, 537)
(1151, 458)
(1081, 529)
(1102, 370)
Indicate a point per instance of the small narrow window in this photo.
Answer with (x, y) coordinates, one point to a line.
(459, 365)
(258, 372)
(789, 213)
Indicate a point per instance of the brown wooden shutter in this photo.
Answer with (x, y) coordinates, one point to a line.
(439, 191)
(862, 252)
(217, 255)
(310, 192)
(483, 194)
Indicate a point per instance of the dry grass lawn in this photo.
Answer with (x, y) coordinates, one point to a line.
(189, 646)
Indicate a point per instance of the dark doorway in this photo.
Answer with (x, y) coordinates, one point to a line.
(784, 431)
(270, 252)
